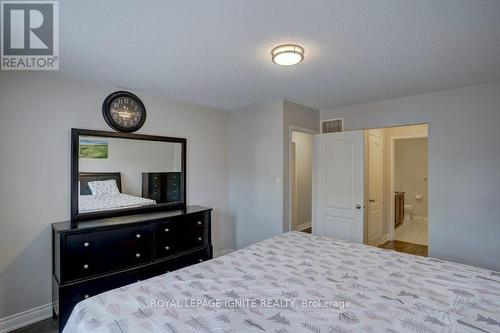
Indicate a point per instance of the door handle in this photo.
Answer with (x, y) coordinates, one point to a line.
(371, 200)
(358, 206)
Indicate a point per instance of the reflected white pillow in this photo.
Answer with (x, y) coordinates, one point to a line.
(105, 187)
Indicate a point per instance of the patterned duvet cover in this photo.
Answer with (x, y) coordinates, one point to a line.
(298, 282)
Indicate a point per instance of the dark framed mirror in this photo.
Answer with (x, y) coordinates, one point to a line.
(117, 174)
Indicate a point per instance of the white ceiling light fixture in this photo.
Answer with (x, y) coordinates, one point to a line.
(287, 54)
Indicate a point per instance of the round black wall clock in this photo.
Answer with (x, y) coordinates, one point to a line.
(124, 111)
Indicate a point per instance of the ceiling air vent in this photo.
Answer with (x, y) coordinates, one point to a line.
(332, 125)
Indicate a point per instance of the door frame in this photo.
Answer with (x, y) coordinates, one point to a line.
(392, 173)
(291, 129)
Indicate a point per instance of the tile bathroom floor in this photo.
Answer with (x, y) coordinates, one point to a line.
(415, 232)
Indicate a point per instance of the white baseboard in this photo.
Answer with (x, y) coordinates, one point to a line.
(218, 254)
(25, 318)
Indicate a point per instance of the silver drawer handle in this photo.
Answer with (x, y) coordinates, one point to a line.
(138, 255)
(138, 235)
(167, 248)
(199, 222)
(85, 266)
(86, 296)
(201, 260)
(199, 238)
(167, 229)
(86, 244)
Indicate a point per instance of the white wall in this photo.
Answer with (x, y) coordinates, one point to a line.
(37, 111)
(410, 170)
(464, 159)
(256, 171)
(133, 157)
(303, 169)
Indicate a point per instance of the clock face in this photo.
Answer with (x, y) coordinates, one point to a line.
(124, 112)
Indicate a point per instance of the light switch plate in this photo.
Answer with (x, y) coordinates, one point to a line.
(277, 181)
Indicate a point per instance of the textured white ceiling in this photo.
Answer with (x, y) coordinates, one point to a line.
(217, 52)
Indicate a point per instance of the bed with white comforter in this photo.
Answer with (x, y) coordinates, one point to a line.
(298, 282)
(95, 203)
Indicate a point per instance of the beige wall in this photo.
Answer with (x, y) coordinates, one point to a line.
(37, 111)
(410, 170)
(464, 159)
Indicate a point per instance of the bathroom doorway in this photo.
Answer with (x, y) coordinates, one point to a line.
(396, 195)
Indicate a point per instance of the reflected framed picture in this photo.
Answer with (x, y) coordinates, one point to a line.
(93, 148)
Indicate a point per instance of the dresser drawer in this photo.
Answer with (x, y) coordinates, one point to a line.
(173, 245)
(72, 294)
(182, 226)
(93, 253)
(184, 260)
(156, 187)
(173, 186)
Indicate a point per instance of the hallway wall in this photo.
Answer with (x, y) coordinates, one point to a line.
(303, 165)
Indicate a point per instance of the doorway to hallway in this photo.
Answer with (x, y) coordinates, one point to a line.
(301, 158)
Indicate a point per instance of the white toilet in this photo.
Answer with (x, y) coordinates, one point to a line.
(408, 213)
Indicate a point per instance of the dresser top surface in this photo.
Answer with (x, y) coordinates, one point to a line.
(130, 219)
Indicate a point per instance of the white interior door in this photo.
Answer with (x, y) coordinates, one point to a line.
(338, 181)
(375, 188)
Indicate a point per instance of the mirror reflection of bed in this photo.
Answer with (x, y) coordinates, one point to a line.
(118, 173)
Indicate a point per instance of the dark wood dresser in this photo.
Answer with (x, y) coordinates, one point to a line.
(162, 186)
(91, 257)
